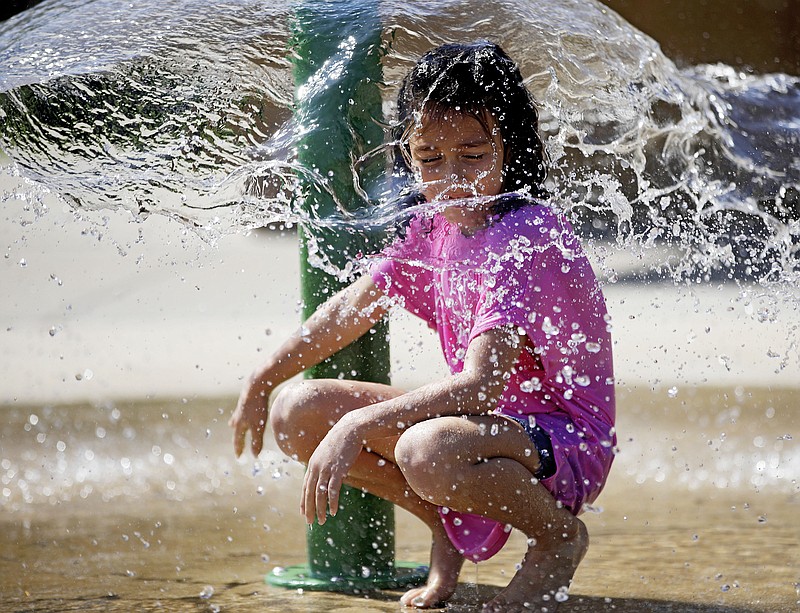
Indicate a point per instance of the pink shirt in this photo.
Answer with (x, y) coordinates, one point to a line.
(528, 270)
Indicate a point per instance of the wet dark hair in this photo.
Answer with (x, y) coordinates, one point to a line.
(475, 79)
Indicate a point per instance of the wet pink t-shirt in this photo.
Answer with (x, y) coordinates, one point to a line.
(526, 270)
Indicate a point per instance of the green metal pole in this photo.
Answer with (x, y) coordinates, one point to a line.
(337, 71)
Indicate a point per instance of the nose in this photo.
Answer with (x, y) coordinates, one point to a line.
(456, 172)
(456, 180)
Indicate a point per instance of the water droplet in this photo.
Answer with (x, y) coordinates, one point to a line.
(264, 558)
(593, 347)
(207, 592)
(549, 328)
(23, 263)
(494, 430)
(457, 521)
(672, 392)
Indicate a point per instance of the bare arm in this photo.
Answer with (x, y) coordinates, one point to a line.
(342, 319)
(474, 391)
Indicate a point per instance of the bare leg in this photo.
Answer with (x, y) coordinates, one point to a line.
(301, 416)
(488, 473)
(480, 465)
(545, 574)
(382, 478)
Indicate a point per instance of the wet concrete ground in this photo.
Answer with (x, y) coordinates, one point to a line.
(141, 507)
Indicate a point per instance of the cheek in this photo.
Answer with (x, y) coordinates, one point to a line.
(491, 177)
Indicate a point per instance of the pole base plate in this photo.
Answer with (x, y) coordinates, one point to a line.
(404, 574)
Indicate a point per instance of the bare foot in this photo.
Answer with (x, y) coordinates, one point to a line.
(544, 577)
(446, 563)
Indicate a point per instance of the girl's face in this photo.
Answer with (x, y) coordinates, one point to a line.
(454, 157)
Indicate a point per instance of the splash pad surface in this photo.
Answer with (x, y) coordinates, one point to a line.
(189, 528)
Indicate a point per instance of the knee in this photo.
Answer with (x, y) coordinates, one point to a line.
(297, 418)
(422, 455)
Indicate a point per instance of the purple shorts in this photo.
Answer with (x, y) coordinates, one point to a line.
(582, 458)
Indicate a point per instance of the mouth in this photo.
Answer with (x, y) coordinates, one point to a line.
(467, 199)
(456, 196)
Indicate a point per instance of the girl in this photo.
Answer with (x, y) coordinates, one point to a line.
(520, 434)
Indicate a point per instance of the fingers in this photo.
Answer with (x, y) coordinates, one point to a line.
(314, 501)
(334, 488)
(320, 492)
(321, 500)
(257, 437)
(308, 502)
(240, 427)
(250, 414)
(239, 434)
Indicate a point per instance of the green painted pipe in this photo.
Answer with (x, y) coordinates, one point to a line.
(337, 48)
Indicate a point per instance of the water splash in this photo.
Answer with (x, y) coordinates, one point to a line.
(98, 454)
(189, 115)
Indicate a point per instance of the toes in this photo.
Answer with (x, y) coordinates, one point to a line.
(412, 598)
(420, 598)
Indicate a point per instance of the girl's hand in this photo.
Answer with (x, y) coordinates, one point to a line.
(251, 414)
(329, 464)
